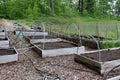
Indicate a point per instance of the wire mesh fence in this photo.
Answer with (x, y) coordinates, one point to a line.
(107, 30)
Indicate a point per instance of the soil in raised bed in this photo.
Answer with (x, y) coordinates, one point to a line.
(55, 45)
(108, 55)
(7, 51)
(42, 37)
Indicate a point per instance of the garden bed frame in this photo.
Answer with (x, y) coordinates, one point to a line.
(85, 40)
(4, 42)
(41, 38)
(100, 67)
(32, 33)
(9, 57)
(2, 35)
(45, 40)
(58, 51)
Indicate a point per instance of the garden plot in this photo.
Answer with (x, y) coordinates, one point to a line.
(4, 42)
(87, 41)
(48, 38)
(32, 33)
(109, 59)
(51, 49)
(2, 34)
(8, 55)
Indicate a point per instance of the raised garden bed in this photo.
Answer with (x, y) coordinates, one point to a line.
(8, 55)
(45, 40)
(4, 42)
(2, 35)
(39, 38)
(86, 41)
(51, 49)
(109, 59)
(32, 33)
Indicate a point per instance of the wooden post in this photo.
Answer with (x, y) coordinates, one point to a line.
(97, 30)
(116, 31)
(106, 31)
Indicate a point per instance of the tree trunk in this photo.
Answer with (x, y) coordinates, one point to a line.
(80, 6)
(52, 7)
(49, 7)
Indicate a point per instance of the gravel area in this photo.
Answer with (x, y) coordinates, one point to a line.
(4, 24)
(64, 66)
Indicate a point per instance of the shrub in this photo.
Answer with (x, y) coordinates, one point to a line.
(107, 45)
(117, 44)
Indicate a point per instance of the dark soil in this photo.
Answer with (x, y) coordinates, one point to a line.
(41, 37)
(7, 51)
(108, 55)
(55, 45)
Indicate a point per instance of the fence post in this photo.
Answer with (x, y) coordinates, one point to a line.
(106, 31)
(97, 30)
(116, 31)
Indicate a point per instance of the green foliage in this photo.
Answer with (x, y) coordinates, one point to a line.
(117, 8)
(35, 10)
(29, 14)
(111, 35)
(117, 44)
(18, 9)
(107, 45)
(104, 45)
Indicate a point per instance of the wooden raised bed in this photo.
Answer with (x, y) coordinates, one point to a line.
(32, 33)
(8, 55)
(86, 41)
(2, 35)
(37, 38)
(45, 40)
(4, 42)
(52, 49)
(109, 59)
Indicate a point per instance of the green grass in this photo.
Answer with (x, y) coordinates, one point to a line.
(64, 20)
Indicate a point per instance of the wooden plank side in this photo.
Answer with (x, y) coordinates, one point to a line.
(115, 78)
(107, 66)
(27, 39)
(62, 51)
(37, 50)
(88, 62)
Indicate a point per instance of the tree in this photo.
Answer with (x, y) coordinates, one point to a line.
(29, 13)
(35, 10)
(80, 6)
(90, 7)
(117, 8)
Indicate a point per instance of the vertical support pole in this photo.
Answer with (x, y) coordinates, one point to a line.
(97, 30)
(106, 31)
(117, 33)
(20, 37)
(43, 36)
(85, 29)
